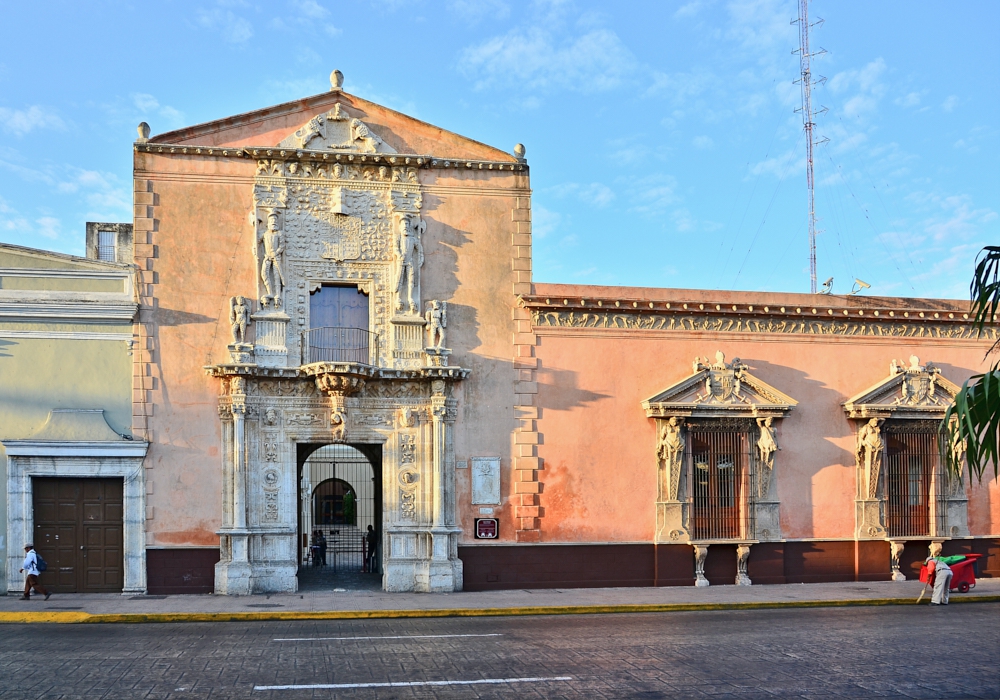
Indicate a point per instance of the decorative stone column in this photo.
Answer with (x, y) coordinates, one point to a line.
(895, 550)
(233, 572)
(742, 555)
(700, 554)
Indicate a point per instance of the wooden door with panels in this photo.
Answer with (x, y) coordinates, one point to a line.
(79, 533)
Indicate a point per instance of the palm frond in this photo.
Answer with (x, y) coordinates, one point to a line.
(971, 425)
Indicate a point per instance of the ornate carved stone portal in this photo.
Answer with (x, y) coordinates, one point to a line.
(716, 396)
(351, 217)
(911, 400)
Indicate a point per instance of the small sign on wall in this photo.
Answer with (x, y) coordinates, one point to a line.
(486, 481)
(487, 528)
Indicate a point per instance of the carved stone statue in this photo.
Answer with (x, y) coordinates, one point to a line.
(338, 425)
(361, 132)
(767, 445)
(272, 262)
(869, 454)
(239, 318)
(409, 259)
(437, 320)
(670, 451)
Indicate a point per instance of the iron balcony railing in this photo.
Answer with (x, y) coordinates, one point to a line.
(340, 345)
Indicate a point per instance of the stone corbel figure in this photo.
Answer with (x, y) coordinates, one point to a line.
(869, 455)
(670, 453)
(767, 445)
(437, 320)
(409, 258)
(338, 425)
(272, 262)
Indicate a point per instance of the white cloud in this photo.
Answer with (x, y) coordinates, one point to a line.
(949, 104)
(148, 107)
(680, 87)
(48, 226)
(543, 221)
(474, 11)
(533, 59)
(653, 194)
(910, 99)
(702, 142)
(311, 8)
(231, 27)
(867, 86)
(22, 121)
(690, 9)
(760, 26)
(594, 193)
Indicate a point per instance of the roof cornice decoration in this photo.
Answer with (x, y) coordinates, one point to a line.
(719, 389)
(574, 312)
(913, 392)
(274, 153)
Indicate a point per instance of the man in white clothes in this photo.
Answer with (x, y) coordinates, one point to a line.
(31, 572)
(942, 579)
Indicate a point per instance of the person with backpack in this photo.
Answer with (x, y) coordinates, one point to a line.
(32, 566)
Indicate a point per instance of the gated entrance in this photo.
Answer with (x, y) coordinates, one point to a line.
(78, 531)
(340, 496)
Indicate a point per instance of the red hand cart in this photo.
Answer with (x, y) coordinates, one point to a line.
(963, 574)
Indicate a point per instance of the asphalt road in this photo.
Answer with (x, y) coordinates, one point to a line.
(864, 652)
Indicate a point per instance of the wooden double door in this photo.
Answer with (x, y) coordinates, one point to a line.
(79, 533)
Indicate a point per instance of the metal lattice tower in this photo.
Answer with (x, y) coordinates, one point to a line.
(806, 83)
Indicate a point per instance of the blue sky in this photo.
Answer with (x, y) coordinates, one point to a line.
(664, 145)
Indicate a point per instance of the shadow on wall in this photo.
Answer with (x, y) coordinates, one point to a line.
(4, 344)
(818, 406)
(558, 390)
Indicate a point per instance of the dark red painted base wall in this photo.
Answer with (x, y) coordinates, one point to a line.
(499, 567)
(174, 571)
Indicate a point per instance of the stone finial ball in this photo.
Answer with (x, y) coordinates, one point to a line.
(143, 130)
(519, 150)
(336, 80)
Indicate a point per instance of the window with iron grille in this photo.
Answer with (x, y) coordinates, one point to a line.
(107, 244)
(722, 472)
(912, 473)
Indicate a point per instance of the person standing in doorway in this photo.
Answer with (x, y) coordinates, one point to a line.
(322, 548)
(30, 569)
(371, 540)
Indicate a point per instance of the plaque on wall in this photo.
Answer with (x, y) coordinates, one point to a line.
(486, 481)
(487, 528)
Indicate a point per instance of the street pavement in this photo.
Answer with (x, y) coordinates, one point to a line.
(816, 653)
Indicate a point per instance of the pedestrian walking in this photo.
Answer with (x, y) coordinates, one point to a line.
(30, 569)
(941, 574)
(371, 540)
(322, 548)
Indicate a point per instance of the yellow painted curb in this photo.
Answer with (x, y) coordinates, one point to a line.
(83, 617)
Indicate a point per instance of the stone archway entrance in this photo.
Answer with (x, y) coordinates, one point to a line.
(339, 496)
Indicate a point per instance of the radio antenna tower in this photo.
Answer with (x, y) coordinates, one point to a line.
(806, 83)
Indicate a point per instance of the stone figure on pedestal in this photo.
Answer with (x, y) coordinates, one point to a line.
(869, 454)
(437, 320)
(767, 445)
(239, 317)
(670, 451)
(271, 264)
(409, 259)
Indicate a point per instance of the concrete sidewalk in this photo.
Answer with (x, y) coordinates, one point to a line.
(377, 604)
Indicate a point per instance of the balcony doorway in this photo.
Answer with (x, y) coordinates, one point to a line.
(338, 326)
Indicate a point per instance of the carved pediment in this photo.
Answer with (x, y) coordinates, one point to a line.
(337, 131)
(911, 390)
(719, 389)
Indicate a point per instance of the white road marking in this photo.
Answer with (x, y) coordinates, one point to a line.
(410, 684)
(405, 636)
